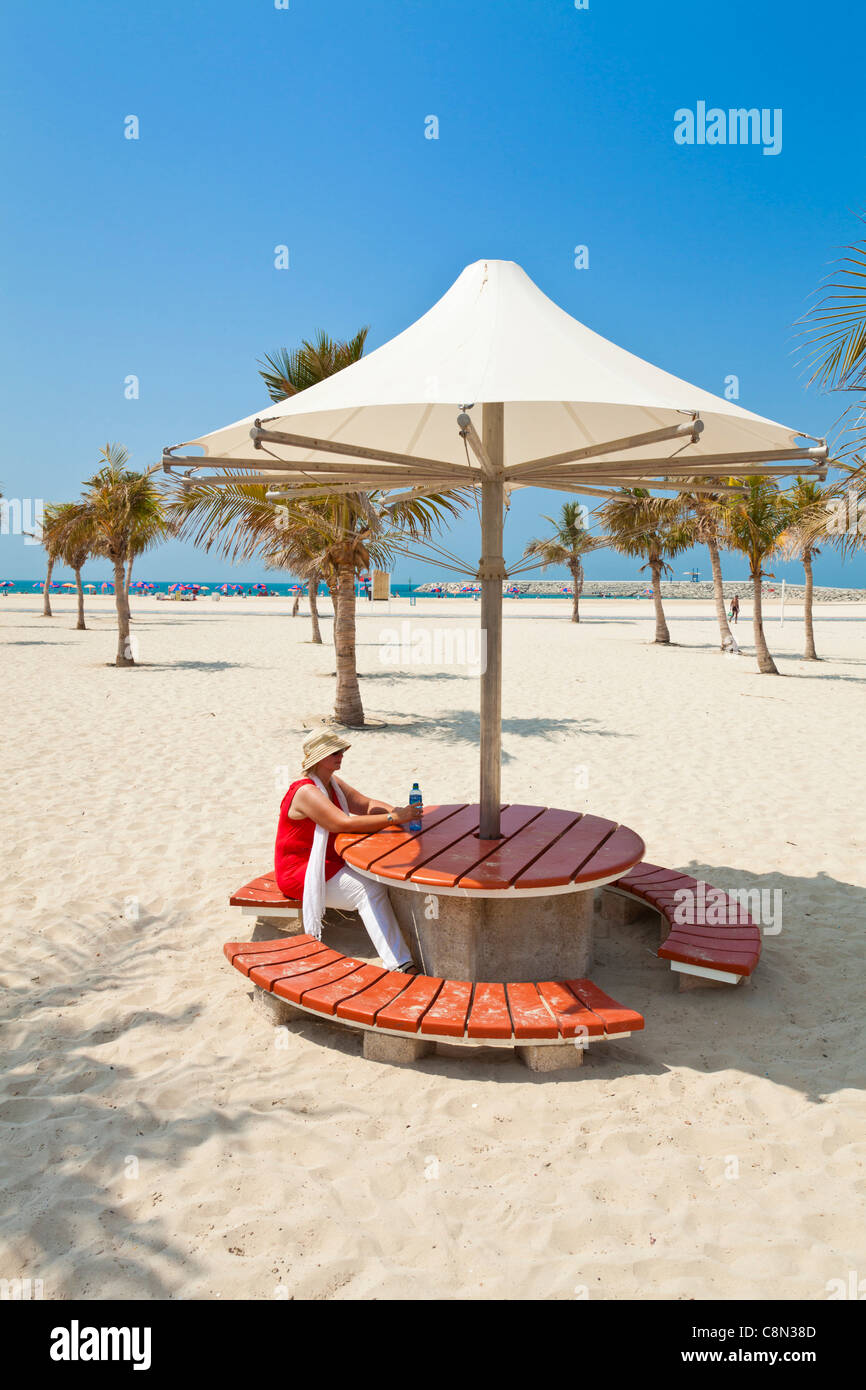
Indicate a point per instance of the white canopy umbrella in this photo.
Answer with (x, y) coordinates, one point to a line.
(559, 406)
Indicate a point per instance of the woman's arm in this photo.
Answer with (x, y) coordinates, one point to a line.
(361, 805)
(321, 809)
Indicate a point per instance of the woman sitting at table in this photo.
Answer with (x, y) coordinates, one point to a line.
(314, 810)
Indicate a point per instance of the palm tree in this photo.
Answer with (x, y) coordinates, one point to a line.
(569, 542)
(121, 513)
(834, 333)
(658, 528)
(288, 372)
(809, 518)
(66, 533)
(333, 537)
(708, 514)
(50, 542)
(835, 338)
(754, 526)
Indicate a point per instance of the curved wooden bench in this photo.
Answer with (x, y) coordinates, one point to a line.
(262, 898)
(715, 952)
(403, 1016)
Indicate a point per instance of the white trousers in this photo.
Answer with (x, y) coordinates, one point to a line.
(350, 890)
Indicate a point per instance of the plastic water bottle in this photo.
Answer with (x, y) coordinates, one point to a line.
(416, 799)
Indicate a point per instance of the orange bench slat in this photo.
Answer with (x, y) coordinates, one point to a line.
(489, 1016)
(614, 1016)
(245, 962)
(326, 998)
(406, 1011)
(293, 988)
(713, 958)
(446, 1017)
(572, 1016)
(363, 1007)
(265, 975)
(233, 948)
(262, 892)
(529, 1014)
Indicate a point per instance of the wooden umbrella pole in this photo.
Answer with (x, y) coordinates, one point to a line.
(491, 573)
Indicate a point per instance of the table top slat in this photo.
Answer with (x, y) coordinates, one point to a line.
(509, 860)
(541, 847)
(366, 848)
(615, 855)
(470, 855)
(568, 854)
(381, 855)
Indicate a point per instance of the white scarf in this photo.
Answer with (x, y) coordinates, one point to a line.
(314, 877)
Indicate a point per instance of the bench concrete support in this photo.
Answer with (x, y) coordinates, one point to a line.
(619, 910)
(278, 1011)
(551, 1058)
(384, 1047)
(267, 928)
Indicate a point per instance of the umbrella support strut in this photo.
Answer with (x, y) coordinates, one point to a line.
(491, 573)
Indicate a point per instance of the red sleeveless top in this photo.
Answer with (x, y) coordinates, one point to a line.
(294, 843)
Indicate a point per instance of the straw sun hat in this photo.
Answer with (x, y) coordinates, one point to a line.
(318, 745)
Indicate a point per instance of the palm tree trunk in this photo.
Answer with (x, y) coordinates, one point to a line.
(313, 589)
(725, 635)
(46, 591)
(124, 655)
(662, 634)
(810, 654)
(347, 708)
(296, 605)
(128, 577)
(766, 664)
(81, 623)
(577, 579)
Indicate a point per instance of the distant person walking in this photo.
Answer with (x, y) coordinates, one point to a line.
(735, 608)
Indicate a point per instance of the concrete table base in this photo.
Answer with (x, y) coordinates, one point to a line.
(497, 938)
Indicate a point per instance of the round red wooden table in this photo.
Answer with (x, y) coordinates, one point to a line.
(516, 908)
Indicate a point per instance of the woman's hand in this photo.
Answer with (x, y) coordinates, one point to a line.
(403, 813)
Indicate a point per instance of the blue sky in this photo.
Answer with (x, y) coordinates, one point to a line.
(305, 126)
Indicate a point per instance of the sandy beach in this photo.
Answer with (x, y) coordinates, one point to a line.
(161, 1139)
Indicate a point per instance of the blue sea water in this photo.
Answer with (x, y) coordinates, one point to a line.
(162, 586)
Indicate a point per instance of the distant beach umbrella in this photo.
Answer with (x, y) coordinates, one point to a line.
(106, 587)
